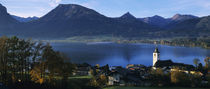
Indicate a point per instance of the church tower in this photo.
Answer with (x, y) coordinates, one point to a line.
(156, 56)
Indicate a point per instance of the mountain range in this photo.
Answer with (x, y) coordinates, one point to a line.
(68, 20)
(166, 22)
(23, 19)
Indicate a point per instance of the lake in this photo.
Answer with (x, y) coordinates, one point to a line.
(122, 54)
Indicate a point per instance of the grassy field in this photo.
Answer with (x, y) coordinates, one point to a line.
(85, 39)
(149, 88)
(80, 77)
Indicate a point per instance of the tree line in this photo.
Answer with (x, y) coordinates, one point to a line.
(26, 60)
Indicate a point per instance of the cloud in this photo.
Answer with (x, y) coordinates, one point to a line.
(90, 4)
(54, 3)
(204, 4)
(86, 3)
(113, 7)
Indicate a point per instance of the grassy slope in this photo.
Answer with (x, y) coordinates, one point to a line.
(149, 88)
(88, 39)
(80, 77)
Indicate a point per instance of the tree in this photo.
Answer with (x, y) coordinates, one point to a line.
(200, 67)
(99, 81)
(208, 79)
(22, 59)
(50, 60)
(13, 57)
(207, 62)
(196, 61)
(37, 52)
(196, 79)
(66, 68)
(158, 77)
(15, 54)
(38, 62)
(36, 75)
(180, 78)
(3, 59)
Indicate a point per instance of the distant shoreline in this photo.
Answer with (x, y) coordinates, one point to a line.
(183, 42)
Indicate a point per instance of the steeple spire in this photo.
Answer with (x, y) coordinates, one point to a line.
(156, 50)
(156, 56)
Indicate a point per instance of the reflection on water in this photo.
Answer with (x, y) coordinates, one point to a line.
(123, 54)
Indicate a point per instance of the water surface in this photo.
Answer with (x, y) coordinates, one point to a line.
(123, 54)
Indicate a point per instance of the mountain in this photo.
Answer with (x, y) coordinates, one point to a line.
(5, 18)
(167, 23)
(65, 12)
(22, 19)
(128, 15)
(156, 21)
(179, 17)
(129, 18)
(68, 20)
(7, 23)
(196, 27)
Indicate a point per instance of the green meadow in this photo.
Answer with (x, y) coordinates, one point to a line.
(150, 88)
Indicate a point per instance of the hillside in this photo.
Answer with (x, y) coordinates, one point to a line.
(71, 20)
(167, 23)
(68, 20)
(23, 19)
(7, 23)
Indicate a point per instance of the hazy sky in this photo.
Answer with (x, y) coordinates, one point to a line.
(113, 8)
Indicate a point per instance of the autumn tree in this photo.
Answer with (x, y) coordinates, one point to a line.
(207, 62)
(99, 81)
(196, 62)
(180, 78)
(3, 59)
(158, 77)
(36, 75)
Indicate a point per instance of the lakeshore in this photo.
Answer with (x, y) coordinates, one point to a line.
(117, 87)
(32, 65)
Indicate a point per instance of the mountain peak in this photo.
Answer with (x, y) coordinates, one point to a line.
(23, 19)
(176, 16)
(128, 15)
(70, 11)
(155, 20)
(180, 17)
(3, 9)
(157, 17)
(5, 18)
(68, 5)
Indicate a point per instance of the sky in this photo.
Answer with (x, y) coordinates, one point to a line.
(113, 8)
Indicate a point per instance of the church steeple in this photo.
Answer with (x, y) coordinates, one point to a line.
(156, 50)
(156, 56)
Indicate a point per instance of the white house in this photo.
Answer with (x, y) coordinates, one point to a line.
(114, 78)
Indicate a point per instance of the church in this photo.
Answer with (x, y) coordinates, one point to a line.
(156, 56)
(168, 64)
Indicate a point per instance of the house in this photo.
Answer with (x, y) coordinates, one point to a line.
(114, 78)
(83, 69)
(122, 76)
(170, 66)
(135, 67)
(114, 67)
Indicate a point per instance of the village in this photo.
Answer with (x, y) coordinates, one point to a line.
(161, 73)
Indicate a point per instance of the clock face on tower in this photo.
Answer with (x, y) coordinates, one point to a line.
(154, 55)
